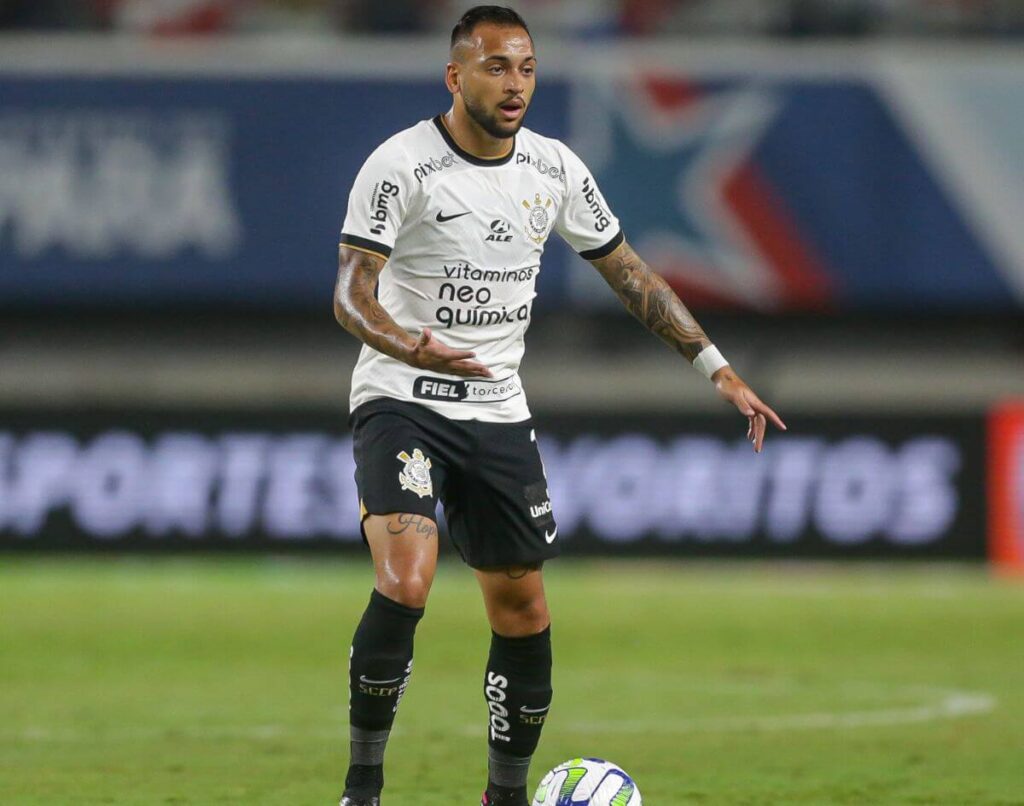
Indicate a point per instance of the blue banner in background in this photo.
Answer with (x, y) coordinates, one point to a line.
(116, 191)
(803, 192)
(786, 194)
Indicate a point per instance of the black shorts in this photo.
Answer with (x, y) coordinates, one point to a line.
(489, 476)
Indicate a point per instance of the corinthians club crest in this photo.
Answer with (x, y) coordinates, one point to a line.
(415, 477)
(539, 218)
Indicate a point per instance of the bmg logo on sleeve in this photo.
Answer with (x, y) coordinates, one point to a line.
(382, 194)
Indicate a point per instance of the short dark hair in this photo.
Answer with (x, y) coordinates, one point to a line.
(498, 15)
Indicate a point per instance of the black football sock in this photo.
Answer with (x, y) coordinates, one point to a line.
(364, 781)
(517, 687)
(498, 795)
(379, 667)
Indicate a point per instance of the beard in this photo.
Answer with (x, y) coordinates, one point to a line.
(489, 120)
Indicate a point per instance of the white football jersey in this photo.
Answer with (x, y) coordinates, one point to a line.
(463, 238)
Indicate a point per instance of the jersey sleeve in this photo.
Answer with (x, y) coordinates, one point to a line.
(378, 202)
(584, 220)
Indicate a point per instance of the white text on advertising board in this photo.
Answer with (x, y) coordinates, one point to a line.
(300, 486)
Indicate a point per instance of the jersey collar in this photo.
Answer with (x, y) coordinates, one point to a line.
(471, 158)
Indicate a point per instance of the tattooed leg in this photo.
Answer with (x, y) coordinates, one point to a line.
(405, 523)
(404, 549)
(380, 665)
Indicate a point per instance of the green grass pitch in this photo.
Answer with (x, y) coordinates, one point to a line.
(223, 681)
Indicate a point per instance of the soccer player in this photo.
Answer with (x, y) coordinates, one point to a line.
(439, 255)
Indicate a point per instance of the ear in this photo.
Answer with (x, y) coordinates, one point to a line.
(451, 77)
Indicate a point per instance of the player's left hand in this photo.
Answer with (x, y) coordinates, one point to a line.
(732, 388)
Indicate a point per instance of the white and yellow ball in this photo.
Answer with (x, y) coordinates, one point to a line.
(587, 782)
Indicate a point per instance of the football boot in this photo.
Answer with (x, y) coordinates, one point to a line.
(351, 800)
(495, 800)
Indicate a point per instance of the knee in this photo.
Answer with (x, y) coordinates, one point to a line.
(521, 616)
(410, 589)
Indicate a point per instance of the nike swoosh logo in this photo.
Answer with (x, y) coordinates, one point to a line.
(364, 679)
(441, 217)
(550, 537)
(526, 710)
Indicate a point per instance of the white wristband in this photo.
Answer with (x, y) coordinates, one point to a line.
(709, 361)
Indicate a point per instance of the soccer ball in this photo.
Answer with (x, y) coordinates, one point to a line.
(587, 782)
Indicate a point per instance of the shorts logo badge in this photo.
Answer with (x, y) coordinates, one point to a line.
(539, 218)
(415, 476)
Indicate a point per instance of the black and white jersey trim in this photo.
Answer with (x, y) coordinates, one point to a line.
(604, 251)
(472, 159)
(365, 244)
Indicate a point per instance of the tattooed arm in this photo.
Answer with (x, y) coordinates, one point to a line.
(649, 298)
(357, 310)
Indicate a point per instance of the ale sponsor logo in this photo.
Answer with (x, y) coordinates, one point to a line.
(499, 231)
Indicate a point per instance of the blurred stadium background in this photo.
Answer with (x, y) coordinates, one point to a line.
(837, 188)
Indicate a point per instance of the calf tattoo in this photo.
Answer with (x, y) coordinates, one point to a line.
(650, 299)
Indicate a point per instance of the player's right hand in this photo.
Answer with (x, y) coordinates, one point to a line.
(429, 353)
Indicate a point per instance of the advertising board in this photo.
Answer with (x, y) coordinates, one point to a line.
(759, 178)
(194, 189)
(1006, 486)
(834, 487)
